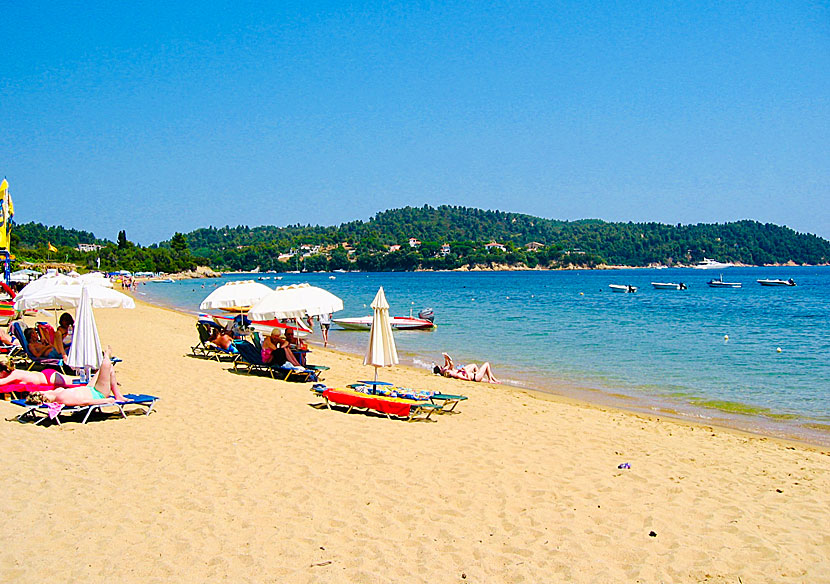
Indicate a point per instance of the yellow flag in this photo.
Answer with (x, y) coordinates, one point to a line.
(51, 247)
(6, 214)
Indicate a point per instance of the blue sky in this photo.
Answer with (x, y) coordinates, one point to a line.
(161, 117)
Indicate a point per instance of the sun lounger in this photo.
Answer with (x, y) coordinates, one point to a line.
(41, 412)
(206, 348)
(17, 330)
(407, 409)
(446, 401)
(249, 359)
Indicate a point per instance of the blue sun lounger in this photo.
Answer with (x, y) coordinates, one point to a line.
(40, 412)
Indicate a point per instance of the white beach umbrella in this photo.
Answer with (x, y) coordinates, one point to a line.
(85, 352)
(96, 278)
(68, 295)
(235, 295)
(295, 301)
(381, 351)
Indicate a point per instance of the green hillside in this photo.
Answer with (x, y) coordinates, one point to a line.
(365, 245)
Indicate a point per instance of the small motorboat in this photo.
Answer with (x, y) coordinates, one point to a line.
(770, 282)
(669, 286)
(625, 288)
(406, 323)
(719, 283)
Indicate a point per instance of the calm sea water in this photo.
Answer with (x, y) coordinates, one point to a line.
(565, 331)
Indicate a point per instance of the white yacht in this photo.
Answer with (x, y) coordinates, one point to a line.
(710, 264)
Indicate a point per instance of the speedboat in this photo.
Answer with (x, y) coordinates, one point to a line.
(789, 282)
(364, 323)
(710, 264)
(719, 283)
(625, 288)
(669, 286)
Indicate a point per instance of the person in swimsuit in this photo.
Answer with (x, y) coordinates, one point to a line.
(471, 372)
(102, 390)
(38, 348)
(276, 350)
(47, 377)
(63, 336)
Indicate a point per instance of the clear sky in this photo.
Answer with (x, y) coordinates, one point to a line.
(157, 117)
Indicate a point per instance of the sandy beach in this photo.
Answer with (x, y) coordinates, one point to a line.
(240, 479)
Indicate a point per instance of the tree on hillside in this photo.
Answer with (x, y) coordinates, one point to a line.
(122, 240)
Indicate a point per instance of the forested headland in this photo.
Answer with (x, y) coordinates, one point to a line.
(445, 237)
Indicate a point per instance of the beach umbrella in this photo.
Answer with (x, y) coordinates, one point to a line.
(235, 296)
(85, 352)
(381, 351)
(68, 295)
(295, 301)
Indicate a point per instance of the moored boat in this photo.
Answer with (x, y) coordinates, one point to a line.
(625, 288)
(669, 285)
(719, 283)
(364, 323)
(710, 264)
(772, 282)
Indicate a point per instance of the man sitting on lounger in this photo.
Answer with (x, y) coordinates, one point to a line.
(471, 372)
(102, 390)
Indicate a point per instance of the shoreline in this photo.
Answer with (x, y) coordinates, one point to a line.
(237, 478)
(757, 425)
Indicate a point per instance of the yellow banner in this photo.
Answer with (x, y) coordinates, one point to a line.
(51, 247)
(6, 214)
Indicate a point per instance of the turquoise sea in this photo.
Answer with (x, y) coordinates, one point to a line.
(566, 332)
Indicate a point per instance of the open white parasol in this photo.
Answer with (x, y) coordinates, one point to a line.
(382, 351)
(295, 301)
(235, 296)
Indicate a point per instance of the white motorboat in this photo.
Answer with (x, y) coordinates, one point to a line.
(710, 264)
(625, 288)
(719, 283)
(364, 323)
(770, 282)
(669, 286)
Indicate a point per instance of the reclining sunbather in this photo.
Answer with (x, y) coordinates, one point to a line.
(102, 390)
(471, 372)
(47, 377)
(39, 348)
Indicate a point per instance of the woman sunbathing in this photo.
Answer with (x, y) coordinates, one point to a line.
(471, 372)
(47, 377)
(102, 390)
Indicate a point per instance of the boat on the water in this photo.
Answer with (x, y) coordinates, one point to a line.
(364, 323)
(710, 264)
(771, 282)
(625, 288)
(719, 283)
(669, 285)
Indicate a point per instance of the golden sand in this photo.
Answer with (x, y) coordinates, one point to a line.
(239, 479)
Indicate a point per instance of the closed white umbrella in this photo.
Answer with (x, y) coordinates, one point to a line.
(382, 351)
(67, 295)
(295, 301)
(85, 352)
(239, 295)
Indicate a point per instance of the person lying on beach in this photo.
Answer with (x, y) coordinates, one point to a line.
(103, 389)
(470, 372)
(222, 339)
(276, 350)
(39, 348)
(47, 377)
